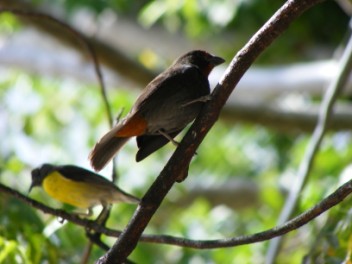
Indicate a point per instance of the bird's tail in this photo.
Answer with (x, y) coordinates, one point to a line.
(106, 148)
(122, 196)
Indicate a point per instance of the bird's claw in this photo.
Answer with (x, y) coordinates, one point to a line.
(174, 142)
(201, 99)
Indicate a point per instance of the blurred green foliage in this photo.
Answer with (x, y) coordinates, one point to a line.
(233, 20)
(58, 120)
(9, 24)
(255, 153)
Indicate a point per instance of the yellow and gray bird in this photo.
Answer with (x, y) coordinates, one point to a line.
(78, 187)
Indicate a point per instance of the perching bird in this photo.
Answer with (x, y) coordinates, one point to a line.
(78, 187)
(165, 107)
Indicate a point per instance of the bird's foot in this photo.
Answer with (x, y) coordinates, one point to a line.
(201, 99)
(161, 132)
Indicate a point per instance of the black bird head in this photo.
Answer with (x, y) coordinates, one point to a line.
(38, 175)
(200, 58)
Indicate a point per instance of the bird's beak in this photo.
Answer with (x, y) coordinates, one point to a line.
(216, 60)
(30, 188)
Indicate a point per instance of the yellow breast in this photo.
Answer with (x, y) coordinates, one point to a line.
(79, 194)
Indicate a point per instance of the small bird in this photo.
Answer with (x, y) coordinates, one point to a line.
(78, 187)
(165, 107)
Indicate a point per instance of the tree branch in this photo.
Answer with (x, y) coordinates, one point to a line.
(176, 168)
(333, 199)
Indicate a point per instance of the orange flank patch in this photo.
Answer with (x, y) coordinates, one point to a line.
(133, 126)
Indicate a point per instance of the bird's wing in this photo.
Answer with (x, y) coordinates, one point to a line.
(147, 144)
(169, 84)
(78, 174)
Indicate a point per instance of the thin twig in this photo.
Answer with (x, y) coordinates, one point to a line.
(95, 237)
(114, 173)
(314, 144)
(333, 199)
(86, 253)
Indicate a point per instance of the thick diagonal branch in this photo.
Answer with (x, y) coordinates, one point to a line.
(178, 164)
